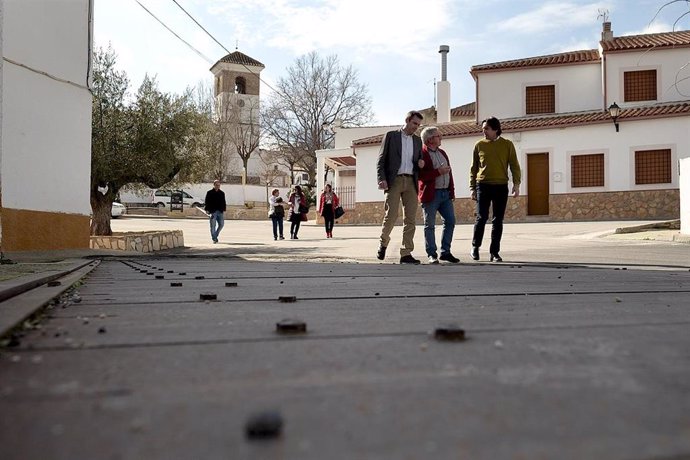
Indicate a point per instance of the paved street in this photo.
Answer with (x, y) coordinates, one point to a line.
(566, 242)
(587, 359)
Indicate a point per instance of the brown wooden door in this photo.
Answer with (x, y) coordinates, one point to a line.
(538, 184)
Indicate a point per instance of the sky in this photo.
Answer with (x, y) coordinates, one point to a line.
(392, 44)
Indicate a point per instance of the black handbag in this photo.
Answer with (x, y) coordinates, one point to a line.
(303, 209)
(338, 212)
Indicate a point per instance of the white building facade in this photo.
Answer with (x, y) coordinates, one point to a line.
(576, 164)
(45, 161)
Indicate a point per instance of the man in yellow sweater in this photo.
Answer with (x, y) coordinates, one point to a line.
(491, 159)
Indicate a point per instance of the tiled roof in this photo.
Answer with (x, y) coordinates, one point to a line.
(636, 42)
(462, 129)
(240, 58)
(466, 110)
(570, 57)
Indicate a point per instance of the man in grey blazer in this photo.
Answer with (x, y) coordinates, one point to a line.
(396, 169)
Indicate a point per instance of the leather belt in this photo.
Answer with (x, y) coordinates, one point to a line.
(405, 175)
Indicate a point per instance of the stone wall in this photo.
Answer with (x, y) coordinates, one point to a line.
(139, 241)
(640, 205)
(372, 213)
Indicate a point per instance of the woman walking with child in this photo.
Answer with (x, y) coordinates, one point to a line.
(327, 204)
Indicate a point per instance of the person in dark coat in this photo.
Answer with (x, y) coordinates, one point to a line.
(215, 206)
(397, 167)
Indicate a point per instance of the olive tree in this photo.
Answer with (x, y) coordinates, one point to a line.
(147, 140)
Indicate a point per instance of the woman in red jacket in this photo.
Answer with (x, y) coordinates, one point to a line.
(327, 204)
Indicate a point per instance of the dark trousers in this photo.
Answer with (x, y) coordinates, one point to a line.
(295, 220)
(328, 217)
(277, 225)
(495, 196)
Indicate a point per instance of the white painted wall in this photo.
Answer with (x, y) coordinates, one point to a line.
(685, 196)
(46, 146)
(669, 64)
(343, 140)
(235, 194)
(502, 94)
(346, 181)
(619, 148)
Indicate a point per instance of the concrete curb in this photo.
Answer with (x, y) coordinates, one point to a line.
(666, 225)
(19, 298)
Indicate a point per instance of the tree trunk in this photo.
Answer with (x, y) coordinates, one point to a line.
(100, 207)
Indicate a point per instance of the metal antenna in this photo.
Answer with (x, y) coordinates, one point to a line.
(603, 14)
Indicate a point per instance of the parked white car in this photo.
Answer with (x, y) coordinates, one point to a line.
(162, 198)
(117, 210)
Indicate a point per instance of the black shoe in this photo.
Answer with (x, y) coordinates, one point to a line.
(474, 253)
(448, 257)
(496, 258)
(381, 253)
(408, 259)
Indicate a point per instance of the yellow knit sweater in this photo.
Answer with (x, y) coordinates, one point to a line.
(490, 163)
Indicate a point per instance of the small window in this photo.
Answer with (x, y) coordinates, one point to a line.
(639, 85)
(653, 167)
(587, 170)
(540, 99)
(240, 85)
(162, 192)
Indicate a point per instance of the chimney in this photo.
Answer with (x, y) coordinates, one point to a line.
(606, 33)
(443, 89)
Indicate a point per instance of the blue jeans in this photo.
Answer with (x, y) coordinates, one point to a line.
(444, 206)
(487, 195)
(277, 225)
(217, 220)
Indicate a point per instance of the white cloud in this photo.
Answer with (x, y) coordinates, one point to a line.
(388, 26)
(653, 28)
(553, 16)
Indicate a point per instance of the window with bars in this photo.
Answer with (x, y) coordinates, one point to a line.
(587, 170)
(540, 99)
(653, 167)
(639, 85)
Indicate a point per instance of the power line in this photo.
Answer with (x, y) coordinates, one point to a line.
(202, 27)
(173, 32)
(221, 45)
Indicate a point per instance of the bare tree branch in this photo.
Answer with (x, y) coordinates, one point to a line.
(315, 92)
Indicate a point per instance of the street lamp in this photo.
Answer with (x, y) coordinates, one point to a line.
(614, 113)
